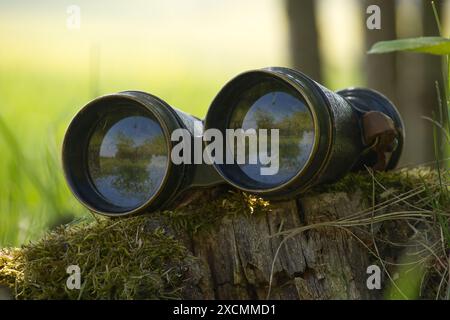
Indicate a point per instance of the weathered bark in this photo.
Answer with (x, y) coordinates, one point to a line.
(235, 259)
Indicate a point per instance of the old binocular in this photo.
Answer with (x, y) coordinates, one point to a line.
(272, 132)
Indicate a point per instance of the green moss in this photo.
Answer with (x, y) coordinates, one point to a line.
(206, 214)
(119, 259)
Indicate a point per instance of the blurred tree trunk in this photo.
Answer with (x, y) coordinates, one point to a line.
(408, 79)
(381, 69)
(432, 71)
(417, 74)
(304, 37)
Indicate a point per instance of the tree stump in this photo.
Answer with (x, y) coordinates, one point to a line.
(223, 245)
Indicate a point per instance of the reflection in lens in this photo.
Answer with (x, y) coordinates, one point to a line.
(127, 157)
(274, 105)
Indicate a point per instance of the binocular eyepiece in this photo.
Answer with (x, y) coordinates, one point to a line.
(272, 132)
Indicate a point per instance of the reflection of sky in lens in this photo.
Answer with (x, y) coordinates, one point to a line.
(127, 158)
(271, 105)
(279, 105)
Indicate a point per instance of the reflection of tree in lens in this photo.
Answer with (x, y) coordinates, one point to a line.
(129, 173)
(127, 159)
(265, 120)
(297, 132)
(272, 105)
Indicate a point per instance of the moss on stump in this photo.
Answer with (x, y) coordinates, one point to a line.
(222, 244)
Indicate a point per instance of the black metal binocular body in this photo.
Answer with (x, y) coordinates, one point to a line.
(118, 150)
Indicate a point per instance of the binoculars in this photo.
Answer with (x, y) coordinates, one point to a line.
(130, 152)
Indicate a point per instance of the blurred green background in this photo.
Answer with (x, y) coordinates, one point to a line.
(182, 51)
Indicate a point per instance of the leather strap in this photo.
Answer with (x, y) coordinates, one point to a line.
(380, 134)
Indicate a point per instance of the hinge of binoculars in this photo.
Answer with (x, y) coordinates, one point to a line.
(381, 135)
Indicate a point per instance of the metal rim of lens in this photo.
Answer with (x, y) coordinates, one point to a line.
(303, 91)
(147, 194)
(96, 103)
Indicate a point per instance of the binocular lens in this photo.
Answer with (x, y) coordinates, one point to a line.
(116, 153)
(127, 157)
(319, 134)
(267, 105)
